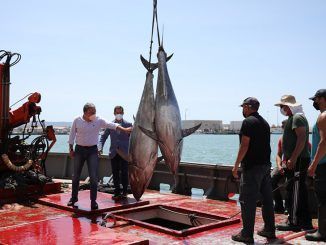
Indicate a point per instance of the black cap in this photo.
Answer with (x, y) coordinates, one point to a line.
(253, 102)
(319, 93)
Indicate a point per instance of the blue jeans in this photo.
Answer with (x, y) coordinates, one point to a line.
(90, 155)
(254, 182)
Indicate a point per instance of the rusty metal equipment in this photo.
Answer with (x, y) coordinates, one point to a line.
(16, 153)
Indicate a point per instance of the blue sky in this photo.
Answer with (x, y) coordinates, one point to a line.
(224, 51)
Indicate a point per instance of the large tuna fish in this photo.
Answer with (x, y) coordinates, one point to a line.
(168, 131)
(142, 155)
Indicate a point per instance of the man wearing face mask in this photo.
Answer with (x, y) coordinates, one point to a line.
(318, 164)
(119, 140)
(84, 132)
(254, 156)
(297, 157)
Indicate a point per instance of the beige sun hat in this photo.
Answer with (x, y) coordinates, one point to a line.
(288, 100)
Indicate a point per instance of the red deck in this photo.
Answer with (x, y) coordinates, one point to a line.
(65, 230)
(41, 224)
(104, 200)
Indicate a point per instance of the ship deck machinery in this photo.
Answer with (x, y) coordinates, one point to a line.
(19, 158)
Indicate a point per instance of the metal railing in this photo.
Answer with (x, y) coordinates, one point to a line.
(213, 179)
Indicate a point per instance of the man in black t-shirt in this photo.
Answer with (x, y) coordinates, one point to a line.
(254, 156)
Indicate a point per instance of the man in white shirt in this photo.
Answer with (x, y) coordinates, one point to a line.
(84, 132)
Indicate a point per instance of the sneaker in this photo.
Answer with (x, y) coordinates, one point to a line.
(288, 227)
(315, 237)
(267, 234)
(124, 195)
(239, 238)
(72, 202)
(94, 205)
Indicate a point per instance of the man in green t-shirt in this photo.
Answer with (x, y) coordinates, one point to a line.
(297, 156)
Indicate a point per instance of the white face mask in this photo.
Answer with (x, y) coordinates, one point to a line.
(283, 112)
(92, 117)
(118, 117)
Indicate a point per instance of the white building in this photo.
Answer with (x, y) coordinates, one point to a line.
(206, 125)
(235, 125)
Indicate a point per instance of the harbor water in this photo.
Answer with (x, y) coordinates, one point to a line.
(199, 148)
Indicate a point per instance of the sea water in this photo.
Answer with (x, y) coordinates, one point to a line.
(198, 148)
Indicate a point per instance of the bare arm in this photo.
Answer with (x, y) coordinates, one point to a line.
(279, 161)
(321, 149)
(241, 154)
(301, 140)
(279, 156)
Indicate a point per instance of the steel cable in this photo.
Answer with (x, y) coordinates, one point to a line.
(151, 43)
(21, 99)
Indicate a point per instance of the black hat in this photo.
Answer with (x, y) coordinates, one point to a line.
(319, 93)
(253, 102)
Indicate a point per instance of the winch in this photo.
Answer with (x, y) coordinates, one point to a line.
(16, 153)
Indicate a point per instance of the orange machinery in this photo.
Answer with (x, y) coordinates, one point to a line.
(16, 154)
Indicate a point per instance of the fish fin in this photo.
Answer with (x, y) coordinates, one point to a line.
(123, 155)
(153, 65)
(169, 57)
(149, 66)
(149, 133)
(189, 131)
